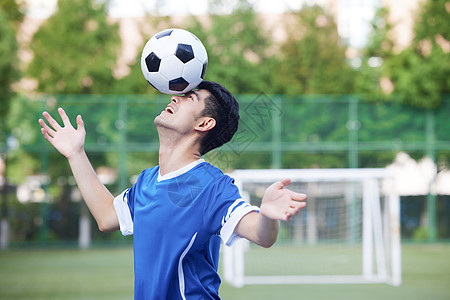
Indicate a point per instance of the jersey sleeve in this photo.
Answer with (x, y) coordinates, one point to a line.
(226, 209)
(124, 211)
(235, 212)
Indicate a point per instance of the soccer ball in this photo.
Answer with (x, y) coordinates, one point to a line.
(174, 61)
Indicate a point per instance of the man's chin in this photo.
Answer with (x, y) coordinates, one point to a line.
(160, 121)
(157, 120)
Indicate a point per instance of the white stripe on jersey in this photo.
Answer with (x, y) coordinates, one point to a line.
(235, 213)
(180, 266)
(231, 209)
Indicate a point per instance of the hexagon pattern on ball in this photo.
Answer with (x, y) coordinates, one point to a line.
(174, 61)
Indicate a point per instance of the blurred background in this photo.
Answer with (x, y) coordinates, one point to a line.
(321, 84)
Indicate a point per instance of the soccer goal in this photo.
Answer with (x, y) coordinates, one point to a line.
(349, 232)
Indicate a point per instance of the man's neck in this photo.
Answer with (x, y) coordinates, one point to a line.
(174, 155)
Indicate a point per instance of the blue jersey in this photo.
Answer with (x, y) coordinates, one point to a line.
(177, 222)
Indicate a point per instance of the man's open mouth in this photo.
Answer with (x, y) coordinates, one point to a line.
(170, 110)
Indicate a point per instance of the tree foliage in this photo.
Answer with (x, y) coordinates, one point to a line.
(421, 73)
(237, 50)
(75, 51)
(8, 61)
(379, 49)
(13, 10)
(312, 59)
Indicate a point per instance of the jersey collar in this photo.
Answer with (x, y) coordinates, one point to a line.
(180, 171)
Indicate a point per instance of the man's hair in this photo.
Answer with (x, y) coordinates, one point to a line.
(223, 107)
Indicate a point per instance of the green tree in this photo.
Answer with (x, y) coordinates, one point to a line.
(238, 49)
(13, 10)
(238, 55)
(421, 73)
(8, 62)
(75, 51)
(10, 18)
(378, 50)
(312, 59)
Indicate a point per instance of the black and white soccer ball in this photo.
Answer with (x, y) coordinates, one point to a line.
(174, 61)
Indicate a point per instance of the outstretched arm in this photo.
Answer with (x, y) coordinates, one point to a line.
(70, 143)
(278, 204)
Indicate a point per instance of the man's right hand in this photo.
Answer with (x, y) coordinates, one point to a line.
(67, 140)
(70, 143)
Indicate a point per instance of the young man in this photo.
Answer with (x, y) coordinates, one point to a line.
(179, 210)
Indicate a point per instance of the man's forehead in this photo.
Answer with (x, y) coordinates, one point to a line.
(201, 93)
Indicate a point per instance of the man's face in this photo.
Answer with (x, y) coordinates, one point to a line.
(182, 114)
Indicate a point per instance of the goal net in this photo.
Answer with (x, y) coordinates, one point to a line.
(347, 233)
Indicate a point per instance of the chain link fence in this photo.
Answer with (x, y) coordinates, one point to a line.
(40, 201)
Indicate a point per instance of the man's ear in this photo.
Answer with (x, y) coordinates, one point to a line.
(205, 124)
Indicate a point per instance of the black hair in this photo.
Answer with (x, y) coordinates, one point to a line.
(223, 107)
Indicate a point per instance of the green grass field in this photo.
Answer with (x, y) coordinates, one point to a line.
(108, 274)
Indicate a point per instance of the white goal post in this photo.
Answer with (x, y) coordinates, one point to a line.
(349, 231)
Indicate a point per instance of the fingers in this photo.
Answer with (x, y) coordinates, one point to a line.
(80, 123)
(51, 121)
(282, 183)
(294, 209)
(296, 203)
(297, 196)
(46, 130)
(295, 206)
(285, 182)
(55, 125)
(64, 117)
(46, 135)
